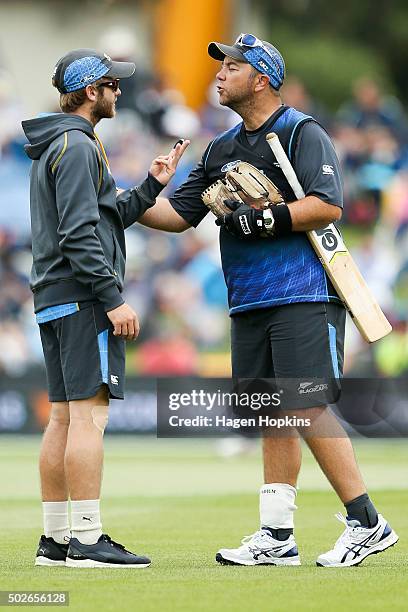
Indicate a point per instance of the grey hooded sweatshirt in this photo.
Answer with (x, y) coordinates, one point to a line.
(77, 218)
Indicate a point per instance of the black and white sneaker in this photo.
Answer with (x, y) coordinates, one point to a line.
(105, 553)
(261, 548)
(357, 542)
(50, 552)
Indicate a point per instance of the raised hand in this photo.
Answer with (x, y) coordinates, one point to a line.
(164, 166)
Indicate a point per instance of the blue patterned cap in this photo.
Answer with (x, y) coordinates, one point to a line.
(259, 53)
(82, 67)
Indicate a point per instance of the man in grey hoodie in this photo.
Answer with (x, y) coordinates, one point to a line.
(78, 218)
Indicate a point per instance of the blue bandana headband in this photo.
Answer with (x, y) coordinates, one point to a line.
(267, 62)
(83, 72)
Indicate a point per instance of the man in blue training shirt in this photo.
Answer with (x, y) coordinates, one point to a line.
(286, 318)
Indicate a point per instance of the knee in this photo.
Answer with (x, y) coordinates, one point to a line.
(90, 414)
(92, 411)
(60, 413)
(100, 417)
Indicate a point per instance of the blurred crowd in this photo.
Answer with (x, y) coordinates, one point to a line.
(174, 282)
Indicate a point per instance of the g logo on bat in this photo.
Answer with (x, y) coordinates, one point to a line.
(329, 240)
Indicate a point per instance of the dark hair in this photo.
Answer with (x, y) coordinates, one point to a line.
(70, 102)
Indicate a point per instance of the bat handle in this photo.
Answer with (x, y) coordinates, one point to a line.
(273, 141)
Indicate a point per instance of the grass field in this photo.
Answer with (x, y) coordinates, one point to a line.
(179, 502)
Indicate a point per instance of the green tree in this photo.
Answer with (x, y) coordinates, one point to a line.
(330, 40)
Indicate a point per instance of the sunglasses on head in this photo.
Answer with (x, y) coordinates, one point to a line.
(249, 40)
(113, 85)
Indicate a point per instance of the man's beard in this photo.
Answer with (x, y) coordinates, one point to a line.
(103, 109)
(238, 100)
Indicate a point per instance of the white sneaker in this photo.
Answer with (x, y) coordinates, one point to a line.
(356, 543)
(261, 549)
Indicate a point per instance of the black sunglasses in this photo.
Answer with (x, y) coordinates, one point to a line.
(113, 85)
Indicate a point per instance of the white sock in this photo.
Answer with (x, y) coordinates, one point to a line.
(277, 505)
(86, 520)
(56, 524)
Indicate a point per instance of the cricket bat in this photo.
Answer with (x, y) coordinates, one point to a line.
(338, 263)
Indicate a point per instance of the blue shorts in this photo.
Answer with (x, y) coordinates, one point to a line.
(81, 354)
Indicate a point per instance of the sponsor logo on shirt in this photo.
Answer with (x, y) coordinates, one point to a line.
(327, 169)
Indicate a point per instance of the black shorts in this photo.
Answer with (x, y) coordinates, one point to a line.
(81, 354)
(302, 343)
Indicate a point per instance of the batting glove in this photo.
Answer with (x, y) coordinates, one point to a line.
(243, 222)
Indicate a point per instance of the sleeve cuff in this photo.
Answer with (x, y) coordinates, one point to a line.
(110, 297)
(150, 189)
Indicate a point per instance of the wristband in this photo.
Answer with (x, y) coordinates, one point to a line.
(283, 220)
